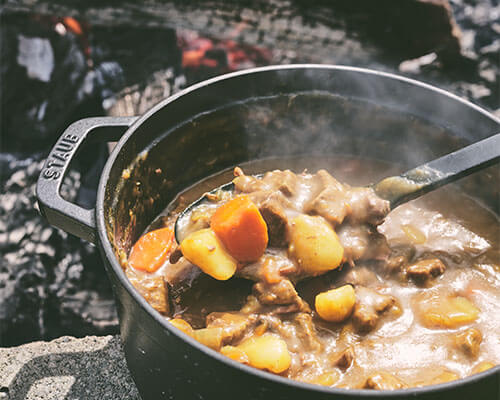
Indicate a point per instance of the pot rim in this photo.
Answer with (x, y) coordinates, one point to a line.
(104, 242)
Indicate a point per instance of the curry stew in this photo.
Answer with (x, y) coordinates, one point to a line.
(315, 280)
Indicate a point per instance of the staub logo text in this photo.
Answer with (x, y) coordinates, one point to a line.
(59, 156)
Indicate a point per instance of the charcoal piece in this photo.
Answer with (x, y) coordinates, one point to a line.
(411, 27)
(38, 92)
(47, 80)
(52, 283)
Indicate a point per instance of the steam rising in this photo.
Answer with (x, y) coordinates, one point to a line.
(307, 111)
(323, 124)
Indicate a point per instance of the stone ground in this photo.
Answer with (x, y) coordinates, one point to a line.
(66, 368)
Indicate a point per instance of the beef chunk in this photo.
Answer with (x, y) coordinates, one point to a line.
(181, 275)
(378, 249)
(260, 197)
(251, 306)
(355, 240)
(276, 221)
(424, 270)
(306, 331)
(272, 322)
(175, 256)
(365, 319)
(344, 359)
(468, 341)
(370, 298)
(366, 206)
(269, 268)
(248, 184)
(369, 306)
(331, 202)
(154, 289)
(324, 196)
(284, 181)
(200, 217)
(399, 258)
(234, 325)
(296, 326)
(282, 294)
(326, 180)
(359, 275)
(362, 242)
(383, 381)
(238, 171)
(336, 202)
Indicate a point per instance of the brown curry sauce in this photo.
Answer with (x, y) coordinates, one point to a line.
(427, 284)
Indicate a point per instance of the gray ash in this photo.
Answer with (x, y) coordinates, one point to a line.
(51, 283)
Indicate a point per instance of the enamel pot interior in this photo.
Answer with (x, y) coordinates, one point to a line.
(268, 112)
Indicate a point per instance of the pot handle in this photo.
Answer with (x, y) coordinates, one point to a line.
(61, 213)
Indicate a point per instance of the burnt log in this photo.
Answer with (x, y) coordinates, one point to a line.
(410, 27)
(50, 282)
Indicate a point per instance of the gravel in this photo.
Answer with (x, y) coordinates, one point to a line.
(66, 368)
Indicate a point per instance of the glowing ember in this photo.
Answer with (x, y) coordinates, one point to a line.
(221, 55)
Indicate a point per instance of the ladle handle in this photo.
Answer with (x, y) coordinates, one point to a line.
(439, 172)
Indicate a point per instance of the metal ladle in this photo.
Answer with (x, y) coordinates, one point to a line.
(411, 184)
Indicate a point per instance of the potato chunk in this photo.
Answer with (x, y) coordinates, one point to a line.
(445, 311)
(182, 325)
(314, 244)
(445, 376)
(482, 366)
(210, 337)
(235, 354)
(205, 250)
(337, 304)
(383, 381)
(326, 379)
(268, 352)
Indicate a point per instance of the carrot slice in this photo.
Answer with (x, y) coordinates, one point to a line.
(151, 250)
(241, 228)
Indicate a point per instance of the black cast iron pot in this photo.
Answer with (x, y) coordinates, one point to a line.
(278, 111)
